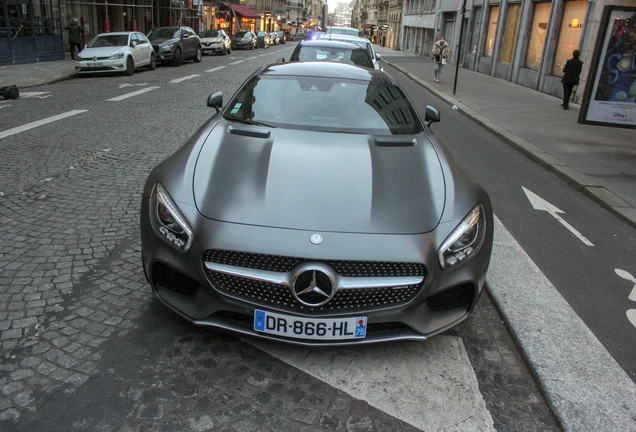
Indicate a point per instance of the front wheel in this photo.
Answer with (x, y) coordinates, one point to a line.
(130, 66)
(223, 51)
(176, 61)
(198, 56)
(153, 62)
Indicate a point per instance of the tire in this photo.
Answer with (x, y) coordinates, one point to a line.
(176, 60)
(199, 55)
(223, 51)
(130, 66)
(153, 62)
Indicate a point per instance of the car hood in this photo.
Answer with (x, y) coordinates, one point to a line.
(100, 52)
(318, 181)
(161, 41)
(212, 39)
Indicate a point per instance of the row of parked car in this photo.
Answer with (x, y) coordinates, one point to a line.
(126, 51)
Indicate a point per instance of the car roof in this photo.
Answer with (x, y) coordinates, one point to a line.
(117, 33)
(330, 43)
(326, 70)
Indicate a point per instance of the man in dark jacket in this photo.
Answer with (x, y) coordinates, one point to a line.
(571, 73)
(74, 36)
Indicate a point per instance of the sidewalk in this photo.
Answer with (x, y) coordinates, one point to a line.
(596, 160)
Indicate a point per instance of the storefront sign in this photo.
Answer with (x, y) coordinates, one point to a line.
(611, 100)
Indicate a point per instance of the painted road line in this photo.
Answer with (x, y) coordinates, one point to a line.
(32, 125)
(128, 95)
(236, 62)
(539, 203)
(585, 387)
(178, 80)
(252, 58)
(430, 385)
(216, 69)
(40, 95)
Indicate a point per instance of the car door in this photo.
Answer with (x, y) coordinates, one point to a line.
(144, 49)
(135, 49)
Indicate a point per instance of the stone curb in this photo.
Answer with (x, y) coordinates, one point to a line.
(597, 193)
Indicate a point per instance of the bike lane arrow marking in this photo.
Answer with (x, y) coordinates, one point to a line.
(539, 203)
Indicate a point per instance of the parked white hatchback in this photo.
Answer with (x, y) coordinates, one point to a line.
(116, 52)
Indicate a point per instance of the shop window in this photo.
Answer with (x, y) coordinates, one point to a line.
(492, 31)
(476, 28)
(510, 32)
(537, 35)
(570, 35)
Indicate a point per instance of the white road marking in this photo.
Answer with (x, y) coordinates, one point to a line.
(629, 277)
(39, 95)
(216, 69)
(431, 385)
(132, 85)
(236, 62)
(178, 80)
(4, 106)
(128, 95)
(631, 316)
(252, 58)
(32, 125)
(539, 203)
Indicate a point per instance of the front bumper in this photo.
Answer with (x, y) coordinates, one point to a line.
(185, 283)
(100, 66)
(214, 48)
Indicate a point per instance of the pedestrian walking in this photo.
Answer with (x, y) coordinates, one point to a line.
(440, 54)
(75, 36)
(571, 73)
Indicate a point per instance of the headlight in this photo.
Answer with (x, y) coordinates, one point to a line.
(116, 56)
(167, 46)
(465, 240)
(168, 221)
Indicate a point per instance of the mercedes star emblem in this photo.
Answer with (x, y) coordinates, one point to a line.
(313, 287)
(316, 239)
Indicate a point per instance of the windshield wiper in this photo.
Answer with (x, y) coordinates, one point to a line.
(250, 122)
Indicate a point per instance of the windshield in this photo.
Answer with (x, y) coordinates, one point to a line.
(109, 41)
(356, 56)
(210, 33)
(241, 34)
(375, 107)
(164, 33)
(344, 31)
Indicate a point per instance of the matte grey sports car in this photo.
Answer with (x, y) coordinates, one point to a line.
(316, 208)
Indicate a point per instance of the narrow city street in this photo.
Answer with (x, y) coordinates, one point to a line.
(86, 346)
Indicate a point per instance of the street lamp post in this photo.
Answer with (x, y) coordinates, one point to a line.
(459, 48)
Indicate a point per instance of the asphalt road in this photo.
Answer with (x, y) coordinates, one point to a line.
(85, 346)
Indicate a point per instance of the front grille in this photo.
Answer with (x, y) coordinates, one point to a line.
(459, 296)
(285, 264)
(345, 300)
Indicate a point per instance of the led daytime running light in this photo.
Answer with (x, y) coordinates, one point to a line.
(449, 256)
(181, 239)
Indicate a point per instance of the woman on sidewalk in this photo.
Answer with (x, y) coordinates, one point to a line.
(440, 54)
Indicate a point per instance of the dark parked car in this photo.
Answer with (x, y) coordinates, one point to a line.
(281, 37)
(332, 51)
(316, 208)
(263, 40)
(174, 44)
(215, 41)
(244, 39)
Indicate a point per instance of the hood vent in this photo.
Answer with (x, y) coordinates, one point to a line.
(247, 133)
(393, 143)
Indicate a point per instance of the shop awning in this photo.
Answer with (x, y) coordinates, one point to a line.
(285, 26)
(245, 12)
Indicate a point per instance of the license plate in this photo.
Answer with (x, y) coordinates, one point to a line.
(310, 328)
(94, 64)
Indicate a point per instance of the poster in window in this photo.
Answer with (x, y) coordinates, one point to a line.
(611, 100)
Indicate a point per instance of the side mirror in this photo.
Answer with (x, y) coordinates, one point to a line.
(378, 56)
(133, 44)
(215, 100)
(432, 115)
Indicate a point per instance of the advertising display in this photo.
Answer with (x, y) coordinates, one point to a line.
(611, 100)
